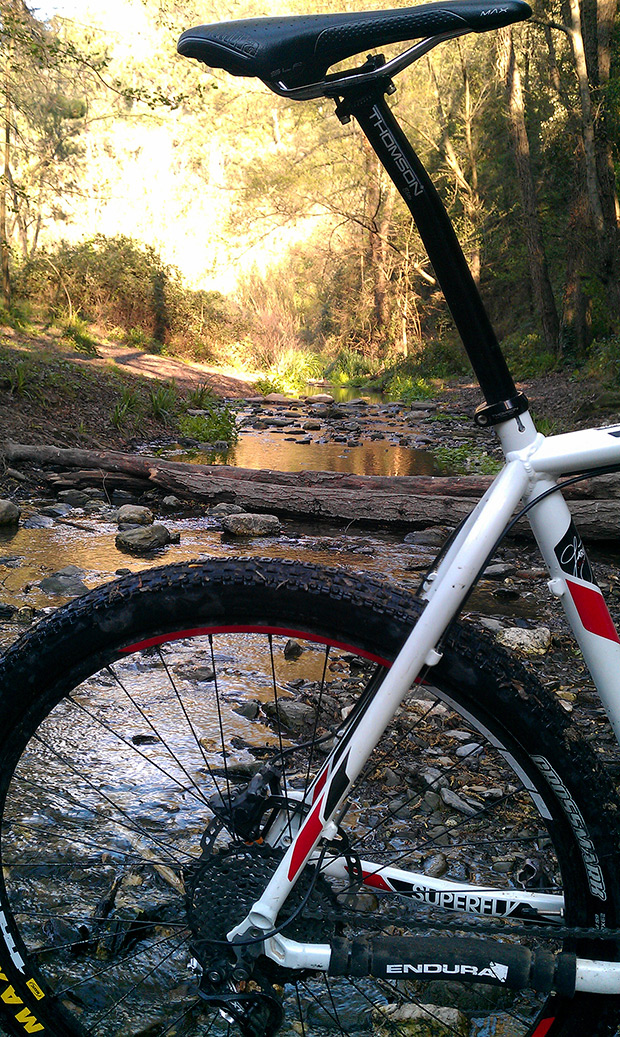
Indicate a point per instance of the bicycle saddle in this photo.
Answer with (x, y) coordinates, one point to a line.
(298, 49)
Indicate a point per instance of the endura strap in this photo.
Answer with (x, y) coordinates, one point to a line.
(299, 49)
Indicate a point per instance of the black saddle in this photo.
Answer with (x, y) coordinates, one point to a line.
(299, 49)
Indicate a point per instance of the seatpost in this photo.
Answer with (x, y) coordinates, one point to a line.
(369, 107)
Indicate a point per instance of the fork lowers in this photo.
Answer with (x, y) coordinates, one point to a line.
(464, 959)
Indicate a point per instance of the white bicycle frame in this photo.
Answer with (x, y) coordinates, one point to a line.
(533, 465)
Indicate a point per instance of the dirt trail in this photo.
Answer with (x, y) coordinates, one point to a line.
(150, 365)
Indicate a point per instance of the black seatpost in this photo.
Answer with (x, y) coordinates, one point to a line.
(370, 109)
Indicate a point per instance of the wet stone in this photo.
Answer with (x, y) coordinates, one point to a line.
(171, 503)
(135, 515)
(295, 715)
(38, 522)
(249, 710)
(226, 509)
(469, 749)
(9, 513)
(420, 1020)
(201, 674)
(435, 866)
(67, 581)
(77, 498)
(247, 524)
(292, 649)
(143, 539)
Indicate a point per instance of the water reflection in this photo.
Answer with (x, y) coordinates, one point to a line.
(258, 450)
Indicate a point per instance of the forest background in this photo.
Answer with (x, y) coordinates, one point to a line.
(192, 213)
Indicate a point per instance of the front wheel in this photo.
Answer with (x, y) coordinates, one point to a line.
(134, 718)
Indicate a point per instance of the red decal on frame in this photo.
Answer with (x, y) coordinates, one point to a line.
(593, 611)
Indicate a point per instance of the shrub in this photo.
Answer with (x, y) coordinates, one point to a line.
(76, 330)
(163, 401)
(218, 424)
(123, 284)
(408, 389)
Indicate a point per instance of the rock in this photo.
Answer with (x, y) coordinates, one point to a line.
(419, 1020)
(525, 642)
(292, 649)
(76, 498)
(9, 513)
(249, 710)
(67, 581)
(226, 509)
(143, 539)
(196, 673)
(135, 515)
(351, 1018)
(294, 715)
(6, 610)
(246, 524)
(312, 425)
(451, 799)
(278, 397)
(38, 522)
(469, 749)
(56, 510)
(171, 503)
(321, 397)
(499, 570)
(435, 536)
(435, 866)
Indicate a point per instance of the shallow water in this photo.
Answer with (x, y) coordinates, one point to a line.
(270, 450)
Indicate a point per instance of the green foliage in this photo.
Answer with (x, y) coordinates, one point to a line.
(199, 397)
(292, 372)
(121, 284)
(351, 367)
(526, 356)
(408, 388)
(163, 400)
(217, 425)
(16, 316)
(604, 360)
(129, 405)
(466, 460)
(20, 378)
(76, 330)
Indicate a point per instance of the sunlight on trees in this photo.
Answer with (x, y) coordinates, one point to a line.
(286, 211)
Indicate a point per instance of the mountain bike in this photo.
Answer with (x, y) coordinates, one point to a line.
(255, 797)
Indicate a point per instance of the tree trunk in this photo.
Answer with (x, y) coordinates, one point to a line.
(539, 273)
(602, 198)
(412, 502)
(5, 272)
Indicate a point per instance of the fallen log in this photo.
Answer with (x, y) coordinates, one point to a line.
(412, 501)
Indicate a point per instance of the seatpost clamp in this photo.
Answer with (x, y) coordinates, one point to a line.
(496, 413)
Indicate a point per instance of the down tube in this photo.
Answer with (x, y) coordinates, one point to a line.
(573, 582)
(348, 757)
